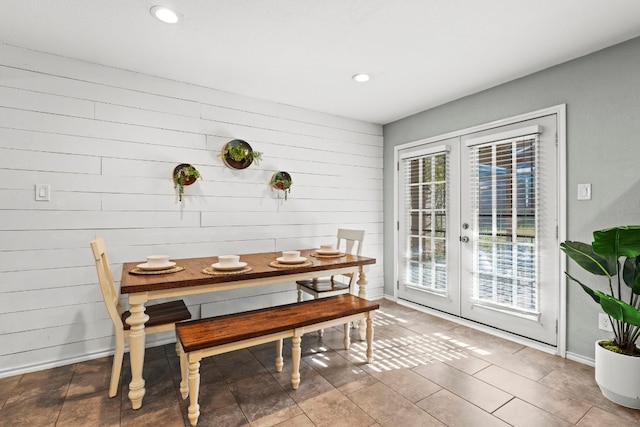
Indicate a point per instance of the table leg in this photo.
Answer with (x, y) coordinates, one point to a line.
(184, 370)
(279, 359)
(194, 390)
(370, 315)
(137, 339)
(295, 359)
(362, 293)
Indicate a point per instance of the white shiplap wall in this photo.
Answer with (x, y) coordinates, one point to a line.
(106, 141)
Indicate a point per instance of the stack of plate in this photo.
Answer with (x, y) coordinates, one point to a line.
(298, 260)
(156, 267)
(237, 266)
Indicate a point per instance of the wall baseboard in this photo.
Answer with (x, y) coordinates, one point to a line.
(71, 360)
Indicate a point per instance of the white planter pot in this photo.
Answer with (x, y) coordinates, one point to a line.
(618, 377)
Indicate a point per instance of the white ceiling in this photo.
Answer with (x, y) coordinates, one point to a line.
(420, 53)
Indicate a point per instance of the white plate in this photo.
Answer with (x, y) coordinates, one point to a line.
(291, 261)
(323, 252)
(237, 266)
(146, 266)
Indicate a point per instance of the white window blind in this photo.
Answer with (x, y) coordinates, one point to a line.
(425, 181)
(505, 189)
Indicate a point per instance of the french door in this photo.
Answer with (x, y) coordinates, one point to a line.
(477, 227)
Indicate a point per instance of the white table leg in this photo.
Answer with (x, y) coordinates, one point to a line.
(137, 338)
(184, 370)
(194, 391)
(279, 359)
(362, 293)
(370, 315)
(347, 338)
(295, 359)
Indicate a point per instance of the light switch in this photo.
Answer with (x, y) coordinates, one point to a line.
(43, 192)
(584, 191)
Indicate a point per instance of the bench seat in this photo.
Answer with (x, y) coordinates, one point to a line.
(216, 335)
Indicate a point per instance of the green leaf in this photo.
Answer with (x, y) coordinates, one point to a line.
(631, 274)
(619, 310)
(587, 289)
(585, 256)
(618, 241)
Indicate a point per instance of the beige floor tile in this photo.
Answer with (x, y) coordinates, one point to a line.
(469, 388)
(522, 414)
(94, 409)
(410, 385)
(299, 421)
(334, 409)
(561, 405)
(466, 363)
(389, 408)
(457, 412)
(261, 397)
(578, 380)
(522, 366)
(597, 417)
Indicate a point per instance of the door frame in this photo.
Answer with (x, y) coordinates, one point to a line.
(561, 170)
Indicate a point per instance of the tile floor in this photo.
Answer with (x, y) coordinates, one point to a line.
(427, 372)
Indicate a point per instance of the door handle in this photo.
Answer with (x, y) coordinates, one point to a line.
(464, 239)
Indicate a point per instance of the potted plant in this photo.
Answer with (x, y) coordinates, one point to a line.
(238, 154)
(615, 254)
(184, 174)
(282, 181)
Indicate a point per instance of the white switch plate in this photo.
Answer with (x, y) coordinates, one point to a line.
(43, 192)
(584, 191)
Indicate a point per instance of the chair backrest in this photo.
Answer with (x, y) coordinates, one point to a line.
(352, 240)
(107, 286)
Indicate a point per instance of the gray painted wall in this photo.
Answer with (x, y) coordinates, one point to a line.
(602, 94)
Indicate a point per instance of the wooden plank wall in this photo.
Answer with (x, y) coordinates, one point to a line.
(106, 141)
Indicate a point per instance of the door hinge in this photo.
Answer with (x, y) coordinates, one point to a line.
(556, 326)
(398, 225)
(397, 284)
(557, 232)
(398, 166)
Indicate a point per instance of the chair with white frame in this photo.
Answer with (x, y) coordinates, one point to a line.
(351, 240)
(162, 317)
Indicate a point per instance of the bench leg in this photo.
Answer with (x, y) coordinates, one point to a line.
(184, 371)
(347, 338)
(370, 336)
(279, 360)
(295, 359)
(194, 391)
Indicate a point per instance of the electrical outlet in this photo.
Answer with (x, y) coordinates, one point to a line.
(604, 324)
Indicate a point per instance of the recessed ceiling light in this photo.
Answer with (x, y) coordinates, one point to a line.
(165, 14)
(361, 77)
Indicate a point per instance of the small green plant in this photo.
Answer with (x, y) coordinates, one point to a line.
(282, 181)
(184, 174)
(240, 152)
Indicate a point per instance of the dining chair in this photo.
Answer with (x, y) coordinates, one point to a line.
(351, 241)
(162, 317)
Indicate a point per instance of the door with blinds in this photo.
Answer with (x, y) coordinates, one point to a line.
(478, 220)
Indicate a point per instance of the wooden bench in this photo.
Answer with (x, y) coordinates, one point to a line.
(216, 335)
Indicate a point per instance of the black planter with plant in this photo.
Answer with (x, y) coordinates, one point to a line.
(184, 174)
(238, 154)
(282, 181)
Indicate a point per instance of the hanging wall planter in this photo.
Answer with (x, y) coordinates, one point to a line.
(238, 154)
(282, 181)
(184, 174)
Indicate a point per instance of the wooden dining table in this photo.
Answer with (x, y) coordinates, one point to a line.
(198, 277)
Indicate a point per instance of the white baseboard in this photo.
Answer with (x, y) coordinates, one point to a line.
(72, 360)
(581, 359)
